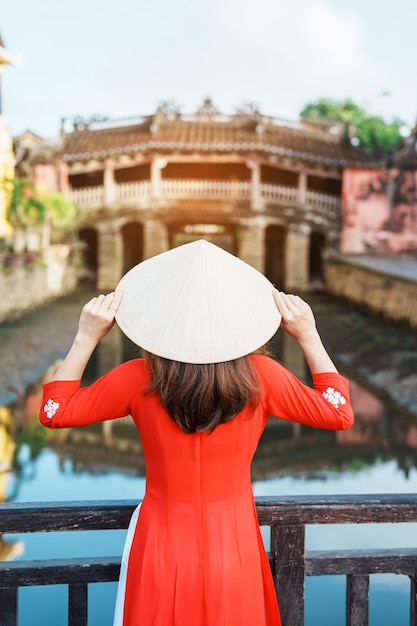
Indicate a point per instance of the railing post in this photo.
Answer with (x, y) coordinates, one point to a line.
(413, 600)
(8, 604)
(288, 549)
(357, 600)
(77, 605)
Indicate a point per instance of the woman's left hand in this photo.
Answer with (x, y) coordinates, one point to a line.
(297, 316)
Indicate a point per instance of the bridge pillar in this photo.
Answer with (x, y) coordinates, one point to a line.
(302, 187)
(297, 254)
(157, 165)
(110, 256)
(252, 245)
(256, 196)
(155, 238)
(109, 182)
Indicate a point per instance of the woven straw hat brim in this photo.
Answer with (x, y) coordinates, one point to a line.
(197, 304)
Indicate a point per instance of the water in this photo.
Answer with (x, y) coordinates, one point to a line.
(105, 462)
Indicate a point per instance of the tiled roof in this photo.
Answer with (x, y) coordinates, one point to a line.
(212, 133)
(406, 157)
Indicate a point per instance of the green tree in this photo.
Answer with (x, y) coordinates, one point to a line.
(25, 207)
(32, 207)
(371, 131)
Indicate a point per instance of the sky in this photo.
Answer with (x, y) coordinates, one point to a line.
(122, 58)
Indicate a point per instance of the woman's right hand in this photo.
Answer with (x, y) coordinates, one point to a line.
(98, 317)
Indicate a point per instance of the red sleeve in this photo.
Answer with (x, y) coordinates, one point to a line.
(326, 406)
(65, 404)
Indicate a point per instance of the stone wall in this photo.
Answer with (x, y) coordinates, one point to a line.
(24, 288)
(384, 293)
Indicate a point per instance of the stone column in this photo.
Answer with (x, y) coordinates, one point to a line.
(297, 257)
(302, 187)
(109, 183)
(252, 244)
(110, 256)
(256, 197)
(155, 238)
(157, 165)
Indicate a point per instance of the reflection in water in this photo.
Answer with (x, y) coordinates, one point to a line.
(8, 549)
(379, 433)
(106, 461)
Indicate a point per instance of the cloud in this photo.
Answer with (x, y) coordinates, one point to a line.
(310, 41)
(242, 48)
(280, 54)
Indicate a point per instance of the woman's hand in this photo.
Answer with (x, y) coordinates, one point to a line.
(297, 316)
(298, 321)
(98, 317)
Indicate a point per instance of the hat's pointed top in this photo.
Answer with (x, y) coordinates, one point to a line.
(197, 303)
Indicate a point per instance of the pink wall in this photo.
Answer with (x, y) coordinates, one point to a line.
(379, 212)
(52, 176)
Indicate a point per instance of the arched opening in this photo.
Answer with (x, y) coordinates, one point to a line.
(222, 235)
(88, 238)
(132, 234)
(317, 244)
(275, 238)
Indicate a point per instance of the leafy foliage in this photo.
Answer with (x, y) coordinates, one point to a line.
(33, 206)
(372, 132)
(25, 208)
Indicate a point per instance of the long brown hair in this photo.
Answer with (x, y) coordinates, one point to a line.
(199, 397)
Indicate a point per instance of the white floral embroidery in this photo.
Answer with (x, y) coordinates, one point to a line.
(51, 408)
(334, 397)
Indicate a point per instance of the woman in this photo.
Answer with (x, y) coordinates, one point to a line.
(200, 400)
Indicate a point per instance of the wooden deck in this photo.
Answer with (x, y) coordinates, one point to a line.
(290, 563)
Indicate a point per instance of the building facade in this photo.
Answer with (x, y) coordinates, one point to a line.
(6, 150)
(265, 189)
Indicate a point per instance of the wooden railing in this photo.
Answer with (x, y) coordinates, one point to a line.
(279, 193)
(170, 189)
(210, 189)
(323, 202)
(290, 563)
(130, 192)
(88, 197)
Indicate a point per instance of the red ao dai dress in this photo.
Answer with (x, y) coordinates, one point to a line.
(197, 556)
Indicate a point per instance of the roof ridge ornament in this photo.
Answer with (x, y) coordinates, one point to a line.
(208, 108)
(249, 109)
(169, 108)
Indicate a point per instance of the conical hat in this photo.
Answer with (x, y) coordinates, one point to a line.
(197, 304)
